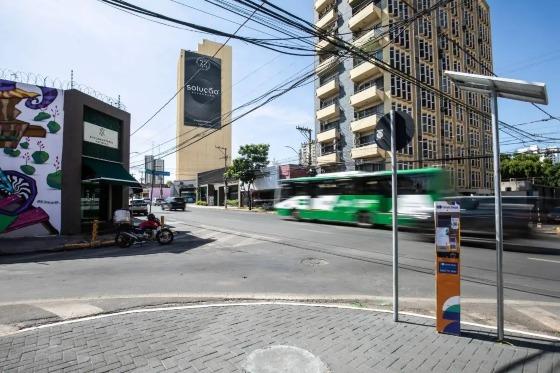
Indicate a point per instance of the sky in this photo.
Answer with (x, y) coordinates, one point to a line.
(119, 54)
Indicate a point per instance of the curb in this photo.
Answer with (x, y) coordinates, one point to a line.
(65, 247)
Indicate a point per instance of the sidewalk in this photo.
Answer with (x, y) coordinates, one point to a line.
(27, 245)
(266, 337)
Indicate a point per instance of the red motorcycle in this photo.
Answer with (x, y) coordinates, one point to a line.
(148, 230)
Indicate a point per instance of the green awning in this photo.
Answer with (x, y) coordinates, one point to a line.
(99, 171)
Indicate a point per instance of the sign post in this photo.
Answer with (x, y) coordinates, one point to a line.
(393, 132)
(448, 267)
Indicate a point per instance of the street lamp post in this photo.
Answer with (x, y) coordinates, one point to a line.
(295, 151)
(516, 90)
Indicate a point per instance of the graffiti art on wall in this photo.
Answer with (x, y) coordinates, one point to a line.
(31, 120)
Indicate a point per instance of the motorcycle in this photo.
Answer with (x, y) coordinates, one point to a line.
(149, 230)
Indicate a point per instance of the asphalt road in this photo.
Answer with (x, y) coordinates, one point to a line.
(234, 254)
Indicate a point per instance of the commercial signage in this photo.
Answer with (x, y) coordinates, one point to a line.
(448, 267)
(202, 90)
(101, 135)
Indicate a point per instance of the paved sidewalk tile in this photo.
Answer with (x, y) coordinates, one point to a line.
(219, 339)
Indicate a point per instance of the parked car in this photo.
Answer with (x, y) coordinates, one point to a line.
(138, 206)
(554, 215)
(148, 201)
(173, 203)
(158, 201)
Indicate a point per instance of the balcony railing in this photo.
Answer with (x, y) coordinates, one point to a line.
(329, 102)
(328, 126)
(368, 112)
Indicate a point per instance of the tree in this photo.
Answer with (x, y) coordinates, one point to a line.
(245, 168)
(526, 166)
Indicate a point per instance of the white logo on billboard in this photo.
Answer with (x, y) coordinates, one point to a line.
(203, 63)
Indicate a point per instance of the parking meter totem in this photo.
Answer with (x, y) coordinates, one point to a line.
(448, 267)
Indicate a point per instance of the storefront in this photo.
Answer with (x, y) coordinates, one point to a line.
(98, 179)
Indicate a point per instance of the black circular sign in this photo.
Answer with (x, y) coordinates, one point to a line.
(404, 128)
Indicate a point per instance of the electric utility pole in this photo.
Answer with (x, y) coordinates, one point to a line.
(225, 158)
(307, 133)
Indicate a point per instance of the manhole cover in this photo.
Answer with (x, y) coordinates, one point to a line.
(285, 359)
(314, 261)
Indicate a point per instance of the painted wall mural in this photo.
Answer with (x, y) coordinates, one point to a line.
(31, 122)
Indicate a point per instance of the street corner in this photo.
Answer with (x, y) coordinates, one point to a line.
(265, 337)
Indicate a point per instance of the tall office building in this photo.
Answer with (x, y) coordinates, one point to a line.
(352, 94)
(203, 109)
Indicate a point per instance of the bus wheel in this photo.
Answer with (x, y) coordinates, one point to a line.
(295, 214)
(364, 219)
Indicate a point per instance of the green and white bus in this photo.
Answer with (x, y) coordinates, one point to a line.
(363, 197)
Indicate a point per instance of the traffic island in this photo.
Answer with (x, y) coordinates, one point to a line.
(304, 337)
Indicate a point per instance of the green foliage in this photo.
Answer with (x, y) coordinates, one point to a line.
(233, 202)
(201, 203)
(252, 158)
(526, 166)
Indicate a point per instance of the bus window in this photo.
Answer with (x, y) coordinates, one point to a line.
(335, 187)
(413, 184)
(374, 186)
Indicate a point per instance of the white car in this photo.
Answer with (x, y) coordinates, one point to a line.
(138, 206)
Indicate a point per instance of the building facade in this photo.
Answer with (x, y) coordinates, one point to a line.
(64, 162)
(203, 121)
(304, 151)
(352, 94)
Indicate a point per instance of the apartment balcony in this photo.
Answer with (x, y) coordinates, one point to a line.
(368, 96)
(321, 4)
(326, 65)
(364, 71)
(367, 151)
(365, 17)
(328, 112)
(364, 124)
(328, 135)
(325, 44)
(370, 40)
(328, 159)
(328, 89)
(327, 19)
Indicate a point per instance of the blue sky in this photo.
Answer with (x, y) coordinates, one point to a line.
(119, 54)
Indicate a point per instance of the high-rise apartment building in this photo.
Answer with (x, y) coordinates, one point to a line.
(352, 94)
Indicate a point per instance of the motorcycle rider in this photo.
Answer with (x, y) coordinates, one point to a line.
(151, 223)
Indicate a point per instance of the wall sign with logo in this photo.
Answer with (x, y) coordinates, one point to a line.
(448, 267)
(101, 135)
(203, 90)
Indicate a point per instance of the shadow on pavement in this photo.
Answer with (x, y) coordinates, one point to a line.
(183, 242)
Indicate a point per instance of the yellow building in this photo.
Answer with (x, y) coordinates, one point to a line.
(203, 109)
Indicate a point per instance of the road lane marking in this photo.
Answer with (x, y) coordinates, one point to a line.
(545, 260)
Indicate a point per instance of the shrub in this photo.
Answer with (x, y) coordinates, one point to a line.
(232, 202)
(201, 203)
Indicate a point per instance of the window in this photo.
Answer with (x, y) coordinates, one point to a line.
(327, 148)
(397, 8)
(378, 185)
(475, 179)
(428, 124)
(447, 130)
(455, 27)
(428, 99)
(474, 139)
(399, 37)
(460, 155)
(460, 177)
(459, 113)
(445, 106)
(460, 133)
(425, 50)
(425, 27)
(399, 60)
(442, 18)
(328, 102)
(402, 107)
(364, 139)
(426, 74)
(378, 83)
(374, 110)
(429, 149)
(447, 151)
(407, 150)
(400, 88)
(328, 126)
